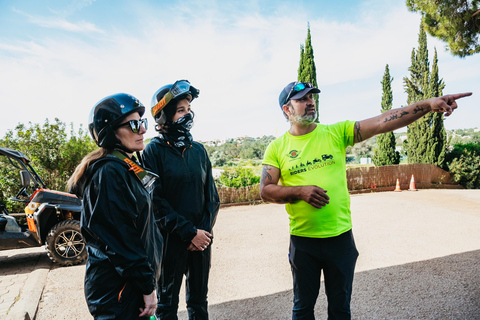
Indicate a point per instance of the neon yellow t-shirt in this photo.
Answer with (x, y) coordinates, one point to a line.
(316, 158)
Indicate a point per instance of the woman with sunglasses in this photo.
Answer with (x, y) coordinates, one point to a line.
(123, 242)
(185, 201)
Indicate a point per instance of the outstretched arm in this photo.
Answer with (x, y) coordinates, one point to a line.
(270, 191)
(401, 117)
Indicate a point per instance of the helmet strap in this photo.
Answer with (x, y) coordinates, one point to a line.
(120, 146)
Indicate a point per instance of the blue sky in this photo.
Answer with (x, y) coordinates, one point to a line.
(58, 58)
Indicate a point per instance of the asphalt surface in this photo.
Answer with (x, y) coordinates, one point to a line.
(23, 274)
(419, 259)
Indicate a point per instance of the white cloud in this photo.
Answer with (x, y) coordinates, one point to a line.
(56, 22)
(240, 68)
(62, 24)
(23, 47)
(72, 7)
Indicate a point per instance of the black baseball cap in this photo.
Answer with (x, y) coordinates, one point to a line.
(295, 90)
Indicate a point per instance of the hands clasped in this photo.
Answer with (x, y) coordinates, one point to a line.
(201, 241)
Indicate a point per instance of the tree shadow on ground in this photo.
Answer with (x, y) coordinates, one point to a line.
(20, 262)
(441, 288)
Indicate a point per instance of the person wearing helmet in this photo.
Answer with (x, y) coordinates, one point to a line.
(185, 201)
(123, 242)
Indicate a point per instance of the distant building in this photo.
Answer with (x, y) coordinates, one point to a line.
(366, 161)
(216, 173)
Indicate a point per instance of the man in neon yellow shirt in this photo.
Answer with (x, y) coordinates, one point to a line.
(310, 162)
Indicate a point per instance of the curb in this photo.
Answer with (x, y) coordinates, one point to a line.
(245, 203)
(27, 305)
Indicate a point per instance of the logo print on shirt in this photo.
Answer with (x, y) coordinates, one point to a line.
(293, 154)
(326, 160)
(325, 157)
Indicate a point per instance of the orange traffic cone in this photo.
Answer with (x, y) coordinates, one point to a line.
(397, 188)
(412, 184)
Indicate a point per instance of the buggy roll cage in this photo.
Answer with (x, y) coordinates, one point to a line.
(25, 164)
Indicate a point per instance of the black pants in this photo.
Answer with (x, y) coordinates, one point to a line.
(178, 261)
(108, 296)
(336, 256)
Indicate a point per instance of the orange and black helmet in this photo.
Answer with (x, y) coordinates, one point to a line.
(169, 93)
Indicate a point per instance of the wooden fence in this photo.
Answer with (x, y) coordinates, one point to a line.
(364, 179)
(384, 178)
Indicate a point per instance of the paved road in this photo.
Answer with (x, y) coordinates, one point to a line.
(419, 254)
(23, 275)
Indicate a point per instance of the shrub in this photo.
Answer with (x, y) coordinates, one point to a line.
(466, 170)
(460, 149)
(237, 177)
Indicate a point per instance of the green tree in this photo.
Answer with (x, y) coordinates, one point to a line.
(254, 149)
(425, 137)
(385, 153)
(52, 153)
(306, 70)
(249, 150)
(476, 137)
(237, 149)
(462, 149)
(455, 22)
(302, 59)
(218, 158)
(229, 150)
(416, 87)
(363, 149)
(437, 144)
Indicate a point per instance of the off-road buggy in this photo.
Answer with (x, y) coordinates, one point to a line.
(52, 217)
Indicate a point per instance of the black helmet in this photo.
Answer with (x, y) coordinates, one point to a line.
(171, 93)
(109, 112)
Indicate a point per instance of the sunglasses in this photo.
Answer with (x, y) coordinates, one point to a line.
(135, 125)
(297, 88)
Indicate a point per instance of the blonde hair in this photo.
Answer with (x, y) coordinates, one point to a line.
(83, 166)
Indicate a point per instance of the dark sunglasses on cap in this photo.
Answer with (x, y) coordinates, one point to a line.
(297, 88)
(135, 125)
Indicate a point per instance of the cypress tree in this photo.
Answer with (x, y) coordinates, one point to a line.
(426, 138)
(306, 70)
(302, 61)
(385, 153)
(417, 89)
(438, 136)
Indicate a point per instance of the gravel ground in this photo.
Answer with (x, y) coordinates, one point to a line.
(419, 254)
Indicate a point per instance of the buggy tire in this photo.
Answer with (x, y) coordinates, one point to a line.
(65, 244)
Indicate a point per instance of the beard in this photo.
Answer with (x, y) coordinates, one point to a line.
(305, 119)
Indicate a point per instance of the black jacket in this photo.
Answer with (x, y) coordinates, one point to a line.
(123, 241)
(185, 197)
